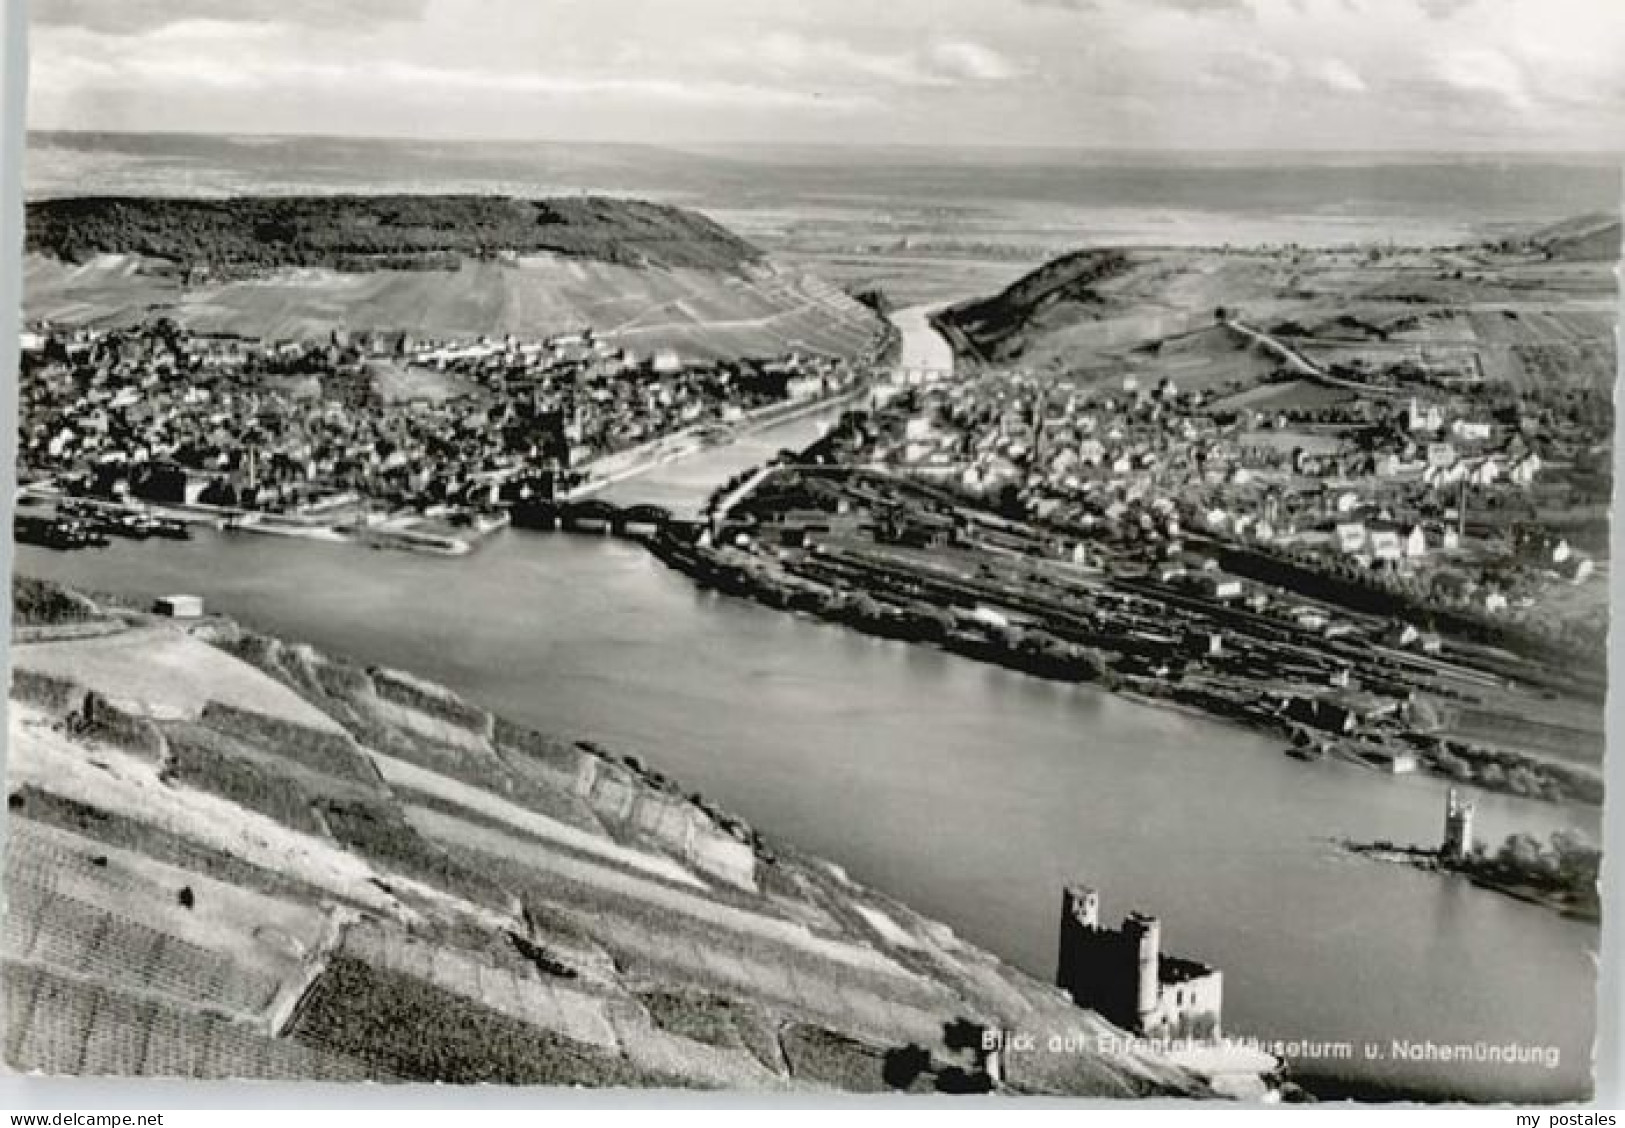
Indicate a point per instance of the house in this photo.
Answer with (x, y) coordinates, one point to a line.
(1388, 464)
(1219, 586)
(1524, 470)
(1386, 545)
(1418, 418)
(1416, 543)
(179, 606)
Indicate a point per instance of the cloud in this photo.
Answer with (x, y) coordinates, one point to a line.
(1484, 71)
(1192, 7)
(399, 80)
(970, 62)
(1249, 68)
(1198, 72)
(1199, 6)
(788, 55)
(1444, 9)
(1338, 75)
(137, 17)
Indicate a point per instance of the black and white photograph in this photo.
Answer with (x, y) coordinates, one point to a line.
(997, 549)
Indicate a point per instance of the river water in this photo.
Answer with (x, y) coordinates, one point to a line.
(971, 792)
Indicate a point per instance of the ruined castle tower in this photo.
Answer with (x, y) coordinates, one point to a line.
(1145, 934)
(1122, 974)
(1112, 970)
(1080, 919)
(1458, 827)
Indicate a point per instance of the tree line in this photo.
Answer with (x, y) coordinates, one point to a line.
(373, 232)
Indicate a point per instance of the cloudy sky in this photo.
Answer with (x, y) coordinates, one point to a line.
(1242, 74)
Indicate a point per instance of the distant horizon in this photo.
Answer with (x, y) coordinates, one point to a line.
(1417, 154)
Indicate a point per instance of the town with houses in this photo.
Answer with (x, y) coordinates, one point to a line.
(1382, 484)
(414, 434)
(1294, 561)
(1297, 566)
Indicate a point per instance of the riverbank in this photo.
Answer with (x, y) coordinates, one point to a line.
(627, 465)
(1581, 905)
(926, 609)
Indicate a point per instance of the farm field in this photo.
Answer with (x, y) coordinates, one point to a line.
(760, 309)
(1521, 319)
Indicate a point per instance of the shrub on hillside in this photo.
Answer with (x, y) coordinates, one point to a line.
(41, 603)
(56, 695)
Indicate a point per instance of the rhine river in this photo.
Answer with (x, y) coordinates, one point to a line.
(971, 792)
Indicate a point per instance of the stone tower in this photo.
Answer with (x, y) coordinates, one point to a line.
(1458, 827)
(1080, 924)
(1145, 934)
(1082, 905)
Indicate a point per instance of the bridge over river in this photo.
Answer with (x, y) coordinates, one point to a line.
(682, 486)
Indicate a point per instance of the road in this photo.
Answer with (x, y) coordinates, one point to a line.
(1300, 363)
(1291, 356)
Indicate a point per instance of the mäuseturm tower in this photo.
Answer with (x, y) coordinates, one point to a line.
(1458, 827)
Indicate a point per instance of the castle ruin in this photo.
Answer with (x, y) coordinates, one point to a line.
(1122, 974)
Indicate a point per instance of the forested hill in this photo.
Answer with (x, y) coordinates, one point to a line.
(360, 233)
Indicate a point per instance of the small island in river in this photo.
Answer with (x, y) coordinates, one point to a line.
(1560, 873)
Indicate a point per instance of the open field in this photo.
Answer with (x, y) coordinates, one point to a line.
(170, 673)
(914, 279)
(1523, 319)
(41, 755)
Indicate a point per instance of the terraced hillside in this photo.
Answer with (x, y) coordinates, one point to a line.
(232, 856)
(644, 275)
